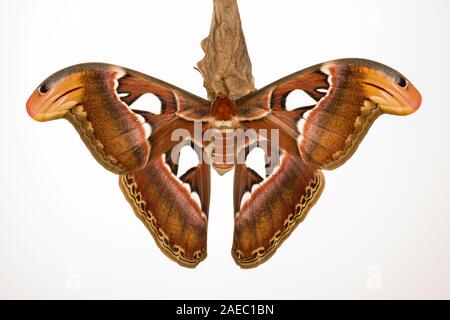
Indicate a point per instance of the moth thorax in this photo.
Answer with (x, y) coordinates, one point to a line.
(223, 109)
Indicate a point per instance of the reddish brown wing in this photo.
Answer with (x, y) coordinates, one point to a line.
(97, 99)
(175, 210)
(267, 211)
(350, 95)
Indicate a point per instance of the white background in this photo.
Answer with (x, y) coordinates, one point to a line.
(380, 229)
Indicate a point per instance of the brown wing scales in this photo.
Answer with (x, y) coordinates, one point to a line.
(273, 210)
(174, 218)
(97, 99)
